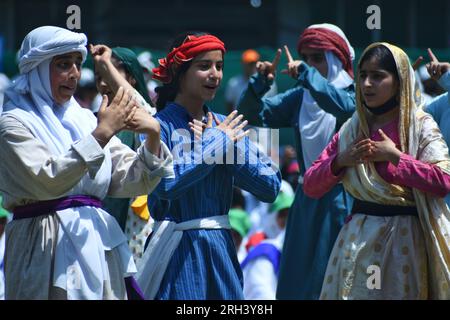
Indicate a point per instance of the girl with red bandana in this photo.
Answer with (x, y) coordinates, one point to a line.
(190, 254)
(320, 102)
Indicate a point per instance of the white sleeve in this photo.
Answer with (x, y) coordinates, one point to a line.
(29, 171)
(260, 281)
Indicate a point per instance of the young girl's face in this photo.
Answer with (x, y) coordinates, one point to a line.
(202, 79)
(377, 85)
(65, 72)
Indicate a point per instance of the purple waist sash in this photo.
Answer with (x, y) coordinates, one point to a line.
(46, 207)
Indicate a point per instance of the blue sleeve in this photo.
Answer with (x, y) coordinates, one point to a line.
(270, 112)
(341, 103)
(439, 104)
(192, 161)
(255, 172)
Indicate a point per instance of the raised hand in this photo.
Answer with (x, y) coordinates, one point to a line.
(100, 53)
(292, 65)
(106, 69)
(435, 68)
(417, 63)
(267, 68)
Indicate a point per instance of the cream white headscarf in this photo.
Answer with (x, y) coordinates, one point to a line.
(30, 100)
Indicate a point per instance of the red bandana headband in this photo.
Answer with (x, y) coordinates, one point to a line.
(324, 39)
(191, 47)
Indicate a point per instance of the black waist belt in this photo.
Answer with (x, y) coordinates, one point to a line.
(376, 209)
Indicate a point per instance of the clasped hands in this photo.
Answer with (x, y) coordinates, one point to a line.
(367, 150)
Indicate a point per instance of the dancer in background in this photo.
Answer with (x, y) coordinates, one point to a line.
(191, 254)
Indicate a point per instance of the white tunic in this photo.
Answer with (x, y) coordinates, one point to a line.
(30, 173)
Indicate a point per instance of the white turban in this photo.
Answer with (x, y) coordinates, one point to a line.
(46, 42)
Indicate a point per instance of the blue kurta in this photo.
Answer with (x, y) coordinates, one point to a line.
(205, 264)
(312, 225)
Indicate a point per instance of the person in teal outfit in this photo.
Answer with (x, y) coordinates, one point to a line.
(321, 101)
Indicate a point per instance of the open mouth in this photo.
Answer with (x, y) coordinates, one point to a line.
(210, 87)
(70, 88)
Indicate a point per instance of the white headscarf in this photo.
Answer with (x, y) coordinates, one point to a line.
(30, 100)
(317, 127)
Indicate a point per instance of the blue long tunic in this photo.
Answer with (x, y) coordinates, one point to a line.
(312, 225)
(205, 264)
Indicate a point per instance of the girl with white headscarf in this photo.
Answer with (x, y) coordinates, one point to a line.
(322, 100)
(57, 164)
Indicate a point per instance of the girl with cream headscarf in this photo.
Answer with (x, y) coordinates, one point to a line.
(57, 163)
(392, 159)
